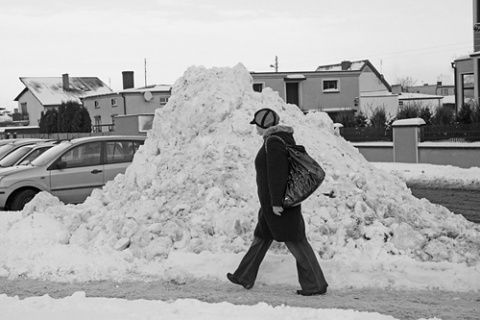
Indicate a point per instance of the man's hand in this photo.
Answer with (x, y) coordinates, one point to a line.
(277, 210)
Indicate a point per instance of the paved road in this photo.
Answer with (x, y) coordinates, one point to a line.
(464, 202)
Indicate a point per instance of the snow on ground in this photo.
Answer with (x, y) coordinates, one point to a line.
(80, 307)
(429, 175)
(187, 206)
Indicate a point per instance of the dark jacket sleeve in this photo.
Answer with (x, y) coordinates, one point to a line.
(277, 169)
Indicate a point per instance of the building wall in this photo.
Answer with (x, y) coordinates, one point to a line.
(34, 107)
(135, 124)
(126, 104)
(370, 82)
(463, 67)
(432, 104)
(476, 22)
(136, 103)
(387, 101)
(457, 155)
(433, 89)
(311, 91)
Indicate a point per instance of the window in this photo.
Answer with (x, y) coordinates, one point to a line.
(97, 127)
(113, 102)
(34, 154)
(23, 108)
(331, 85)
(97, 104)
(467, 83)
(87, 154)
(258, 87)
(121, 151)
(163, 101)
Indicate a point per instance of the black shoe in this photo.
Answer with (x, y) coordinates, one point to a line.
(235, 280)
(312, 293)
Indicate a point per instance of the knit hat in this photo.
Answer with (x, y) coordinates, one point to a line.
(265, 118)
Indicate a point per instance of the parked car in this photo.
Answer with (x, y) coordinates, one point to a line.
(6, 149)
(6, 141)
(69, 170)
(24, 155)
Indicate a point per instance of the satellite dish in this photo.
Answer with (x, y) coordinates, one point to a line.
(148, 96)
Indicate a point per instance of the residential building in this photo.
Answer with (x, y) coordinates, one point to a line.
(437, 89)
(43, 93)
(338, 89)
(467, 69)
(106, 107)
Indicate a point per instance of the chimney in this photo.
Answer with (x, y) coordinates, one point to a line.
(346, 65)
(127, 79)
(439, 83)
(65, 82)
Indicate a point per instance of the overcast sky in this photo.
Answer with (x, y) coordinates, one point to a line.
(95, 38)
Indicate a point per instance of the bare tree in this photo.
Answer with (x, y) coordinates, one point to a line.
(406, 82)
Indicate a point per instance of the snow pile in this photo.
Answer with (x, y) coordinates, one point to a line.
(191, 189)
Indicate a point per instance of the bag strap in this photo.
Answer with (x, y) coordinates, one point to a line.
(266, 140)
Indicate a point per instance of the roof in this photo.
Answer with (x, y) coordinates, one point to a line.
(49, 90)
(359, 65)
(151, 88)
(354, 66)
(418, 96)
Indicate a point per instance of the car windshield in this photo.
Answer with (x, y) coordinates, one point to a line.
(6, 149)
(36, 152)
(16, 155)
(50, 154)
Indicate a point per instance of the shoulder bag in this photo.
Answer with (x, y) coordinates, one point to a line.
(305, 175)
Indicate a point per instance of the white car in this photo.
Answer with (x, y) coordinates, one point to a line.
(69, 170)
(25, 154)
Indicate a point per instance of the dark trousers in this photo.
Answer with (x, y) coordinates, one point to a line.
(310, 274)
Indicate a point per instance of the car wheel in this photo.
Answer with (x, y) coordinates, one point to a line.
(22, 198)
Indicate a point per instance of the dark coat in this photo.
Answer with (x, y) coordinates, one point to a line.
(272, 173)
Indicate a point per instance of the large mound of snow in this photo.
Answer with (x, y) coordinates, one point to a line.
(191, 189)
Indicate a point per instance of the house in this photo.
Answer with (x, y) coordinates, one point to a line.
(339, 89)
(104, 108)
(433, 89)
(43, 93)
(421, 100)
(467, 69)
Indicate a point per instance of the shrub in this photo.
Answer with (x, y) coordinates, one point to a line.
(465, 114)
(379, 117)
(443, 115)
(49, 121)
(70, 117)
(426, 115)
(360, 120)
(408, 111)
(476, 113)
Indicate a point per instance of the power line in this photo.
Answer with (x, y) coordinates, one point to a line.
(450, 47)
(427, 48)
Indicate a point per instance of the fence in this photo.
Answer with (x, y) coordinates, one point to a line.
(407, 145)
(364, 134)
(451, 133)
(448, 133)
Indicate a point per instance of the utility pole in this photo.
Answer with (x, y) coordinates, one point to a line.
(275, 65)
(145, 72)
